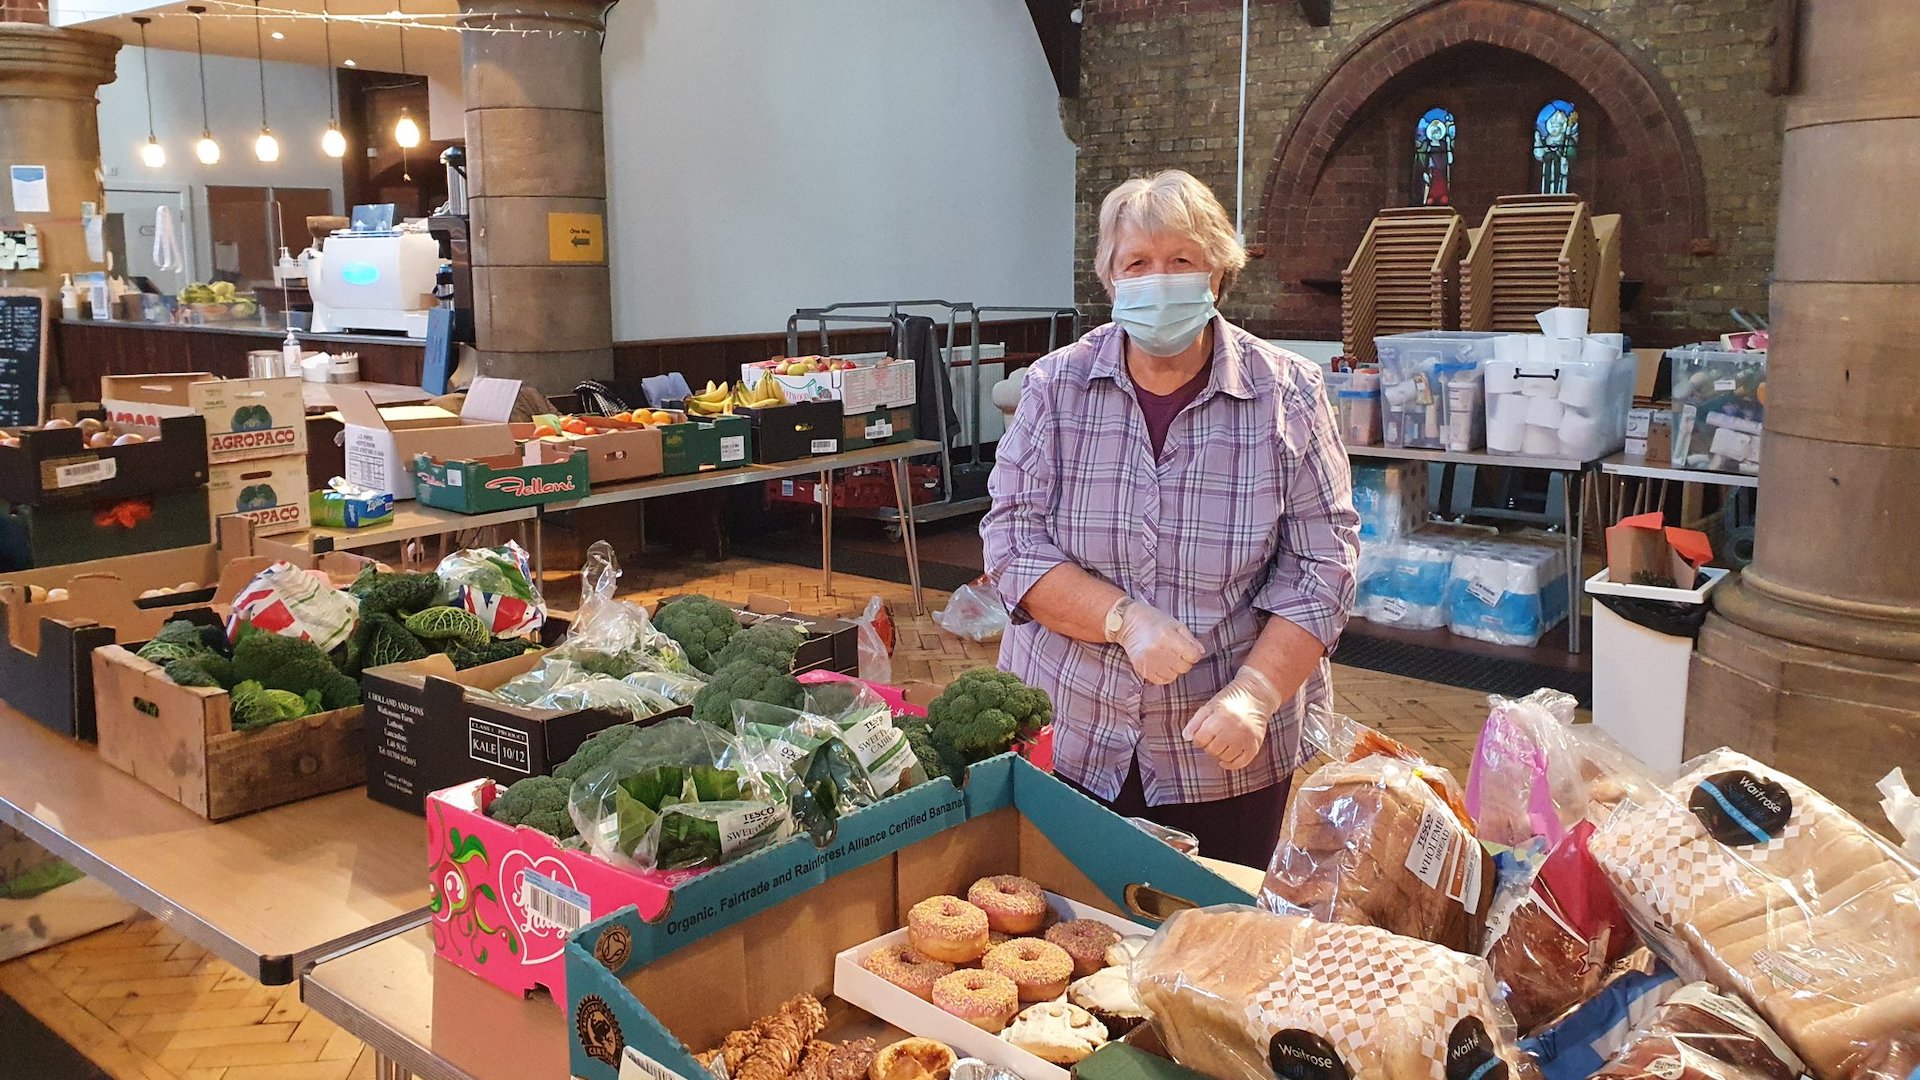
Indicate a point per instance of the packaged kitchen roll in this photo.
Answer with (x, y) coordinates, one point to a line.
(1583, 389)
(1565, 350)
(1508, 409)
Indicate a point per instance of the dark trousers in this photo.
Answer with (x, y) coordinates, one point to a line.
(1243, 829)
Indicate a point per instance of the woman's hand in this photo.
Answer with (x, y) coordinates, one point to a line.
(1233, 725)
(1161, 648)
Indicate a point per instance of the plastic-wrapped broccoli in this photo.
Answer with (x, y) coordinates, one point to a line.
(702, 625)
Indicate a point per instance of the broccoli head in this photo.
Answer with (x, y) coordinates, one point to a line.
(394, 594)
(293, 664)
(538, 802)
(746, 680)
(255, 706)
(920, 739)
(208, 669)
(595, 750)
(702, 625)
(769, 644)
(466, 656)
(983, 713)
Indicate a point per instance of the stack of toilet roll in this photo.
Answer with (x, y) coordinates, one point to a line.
(1558, 394)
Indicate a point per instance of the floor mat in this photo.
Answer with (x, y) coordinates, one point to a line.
(34, 1053)
(1492, 675)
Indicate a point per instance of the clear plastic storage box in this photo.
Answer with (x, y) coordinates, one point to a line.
(1559, 397)
(1719, 403)
(1430, 388)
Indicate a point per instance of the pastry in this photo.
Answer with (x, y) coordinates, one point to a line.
(1014, 905)
(947, 928)
(912, 1059)
(1223, 983)
(1057, 1032)
(852, 1060)
(906, 969)
(1087, 941)
(1108, 995)
(1041, 970)
(985, 999)
(774, 1046)
(813, 1063)
(1120, 954)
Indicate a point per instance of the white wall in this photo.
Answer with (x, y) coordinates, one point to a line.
(296, 108)
(763, 157)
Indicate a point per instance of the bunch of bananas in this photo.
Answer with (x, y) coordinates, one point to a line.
(766, 395)
(715, 400)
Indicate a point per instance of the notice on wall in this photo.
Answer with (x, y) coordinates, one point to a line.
(23, 356)
(30, 194)
(576, 238)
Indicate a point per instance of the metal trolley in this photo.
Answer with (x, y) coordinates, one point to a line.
(925, 331)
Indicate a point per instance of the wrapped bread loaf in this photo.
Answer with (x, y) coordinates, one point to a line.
(1744, 877)
(1379, 842)
(1702, 1034)
(1240, 994)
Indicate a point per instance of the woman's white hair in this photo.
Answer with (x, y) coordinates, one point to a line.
(1171, 201)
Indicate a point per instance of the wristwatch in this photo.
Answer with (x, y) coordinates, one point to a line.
(1117, 617)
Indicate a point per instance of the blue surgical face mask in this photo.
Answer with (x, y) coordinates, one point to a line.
(1163, 313)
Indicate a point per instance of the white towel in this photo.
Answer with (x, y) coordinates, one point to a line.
(166, 240)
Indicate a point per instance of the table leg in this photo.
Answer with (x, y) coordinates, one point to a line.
(539, 546)
(385, 1068)
(824, 492)
(1575, 507)
(909, 538)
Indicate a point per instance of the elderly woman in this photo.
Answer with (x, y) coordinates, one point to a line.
(1173, 528)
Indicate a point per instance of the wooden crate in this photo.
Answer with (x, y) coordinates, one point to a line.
(179, 740)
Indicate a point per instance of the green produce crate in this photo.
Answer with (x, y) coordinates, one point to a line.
(719, 442)
(482, 485)
(66, 532)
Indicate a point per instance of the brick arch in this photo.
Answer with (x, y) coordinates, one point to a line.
(1638, 103)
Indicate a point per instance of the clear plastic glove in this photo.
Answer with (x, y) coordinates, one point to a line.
(1160, 647)
(1233, 725)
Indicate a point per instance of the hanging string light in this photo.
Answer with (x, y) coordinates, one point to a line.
(406, 132)
(152, 155)
(206, 149)
(266, 147)
(333, 143)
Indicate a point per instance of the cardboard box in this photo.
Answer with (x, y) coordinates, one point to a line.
(541, 472)
(884, 384)
(45, 654)
(56, 465)
(382, 443)
(877, 428)
(830, 645)
(718, 442)
(270, 492)
(1659, 444)
(1643, 550)
(62, 533)
(750, 934)
(617, 451)
(246, 418)
(792, 432)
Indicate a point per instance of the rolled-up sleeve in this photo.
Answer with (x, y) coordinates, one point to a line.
(1311, 582)
(1018, 544)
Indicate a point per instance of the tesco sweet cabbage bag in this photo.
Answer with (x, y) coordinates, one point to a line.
(497, 585)
(286, 600)
(866, 723)
(810, 757)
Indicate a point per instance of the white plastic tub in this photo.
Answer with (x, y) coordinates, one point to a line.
(1640, 675)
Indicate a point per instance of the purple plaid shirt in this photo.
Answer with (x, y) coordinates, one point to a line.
(1247, 513)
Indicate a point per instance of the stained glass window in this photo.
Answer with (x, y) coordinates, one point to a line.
(1433, 158)
(1556, 142)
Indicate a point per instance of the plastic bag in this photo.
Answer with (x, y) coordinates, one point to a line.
(1896, 1058)
(676, 688)
(613, 637)
(1239, 994)
(604, 692)
(1554, 931)
(1536, 773)
(1740, 875)
(823, 776)
(544, 678)
(497, 585)
(286, 600)
(975, 612)
(1575, 1045)
(1380, 842)
(1702, 1034)
(1183, 842)
(866, 723)
(876, 641)
(1902, 807)
(678, 795)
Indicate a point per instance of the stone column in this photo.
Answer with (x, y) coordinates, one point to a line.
(1809, 661)
(48, 82)
(536, 163)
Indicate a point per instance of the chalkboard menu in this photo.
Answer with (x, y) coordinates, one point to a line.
(23, 356)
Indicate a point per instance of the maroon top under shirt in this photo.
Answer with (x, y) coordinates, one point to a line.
(1159, 410)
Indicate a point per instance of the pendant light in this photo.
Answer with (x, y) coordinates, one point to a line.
(206, 149)
(406, 132)
(152, 155)
(333, 143)
(266, 147)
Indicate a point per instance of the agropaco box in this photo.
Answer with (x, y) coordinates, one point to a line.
(246, 418)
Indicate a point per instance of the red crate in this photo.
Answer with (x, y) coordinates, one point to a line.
(864, 487)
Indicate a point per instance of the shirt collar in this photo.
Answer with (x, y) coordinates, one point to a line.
(1230, 374)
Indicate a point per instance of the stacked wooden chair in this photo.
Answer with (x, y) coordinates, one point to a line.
(1404, 277)
(1535, 252)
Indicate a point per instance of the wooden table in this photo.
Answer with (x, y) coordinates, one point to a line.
(319, 396)
(268, 892)
(427, 1018)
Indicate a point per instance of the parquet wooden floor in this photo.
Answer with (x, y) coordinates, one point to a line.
(145, 1004)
